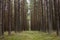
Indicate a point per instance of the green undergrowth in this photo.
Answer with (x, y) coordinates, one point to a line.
(31, 35)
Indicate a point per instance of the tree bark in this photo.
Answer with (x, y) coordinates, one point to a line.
(9, 16)
(1, 18)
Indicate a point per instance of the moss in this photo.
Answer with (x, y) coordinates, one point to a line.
(31, 35)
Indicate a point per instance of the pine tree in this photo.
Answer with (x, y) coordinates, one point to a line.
(9, 16)
(1, 18)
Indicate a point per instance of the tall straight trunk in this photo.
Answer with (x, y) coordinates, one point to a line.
(42, 16)
(56, 4)
(9, 16)
(22, 14)
(25, 16)
(49, 16)
(3, 16)
(39, 14)
(57, 15)
(12, 8)
(35, 16)
(48, 13)
(0, 17)
(53, 18)
(51, 13)
(58, 26)
(59, 12)
(32, 17)
(6, 16)
(17, 15)
(46, 17)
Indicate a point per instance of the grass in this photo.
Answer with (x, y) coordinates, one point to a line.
(31, 35)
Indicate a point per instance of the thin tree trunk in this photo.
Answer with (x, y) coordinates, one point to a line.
(57, 16)
(16, 15)
(42, 16)
(39, 14)
(49, 16)
(25, 16)
(9, 16)
(32, 15)
(35, 16)
(56, 4)
(22, 14)
(1, 18)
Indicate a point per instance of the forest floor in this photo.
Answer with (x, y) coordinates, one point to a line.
(31, 35)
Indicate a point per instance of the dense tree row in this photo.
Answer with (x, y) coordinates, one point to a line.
(44, 15)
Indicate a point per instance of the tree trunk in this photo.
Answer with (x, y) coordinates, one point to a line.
(9, 16)
(56, 15)
(1, 18)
